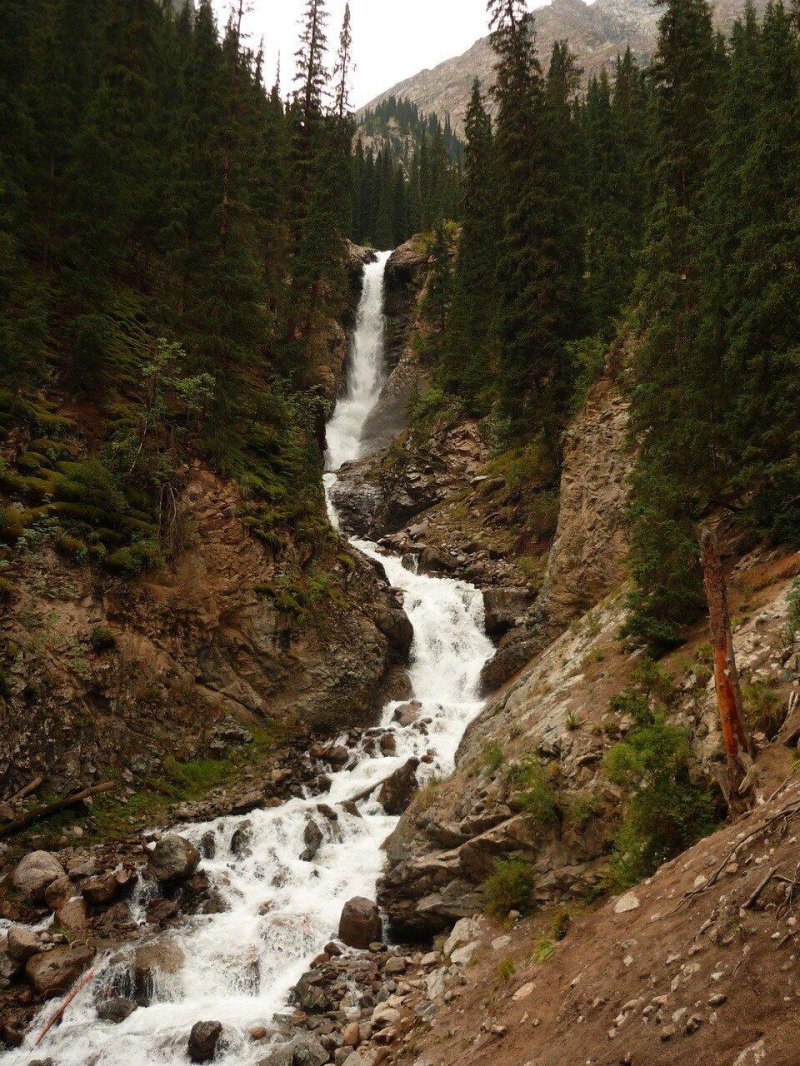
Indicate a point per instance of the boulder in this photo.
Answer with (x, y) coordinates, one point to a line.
(102, 889)
(399, 790)
(312, 838)
(35, 872)
(360, 923)
(203, 1041)
(503, 607)
(240, 841)
(408, 713)
(308, 1051)
(282, 1056)
(151, 962)
(388, 744)
(72, 914)
(53, 972)
(22, 943)
(173, 859)
(116, 1009)
(58, 892)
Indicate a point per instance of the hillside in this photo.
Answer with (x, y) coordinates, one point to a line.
(597, 33)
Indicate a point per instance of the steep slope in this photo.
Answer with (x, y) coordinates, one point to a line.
(597, 33)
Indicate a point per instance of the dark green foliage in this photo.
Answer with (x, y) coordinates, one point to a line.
(509, 888)
(533, 792)
(171, 239)
(103, 639)
(401, 190)
(667, 809)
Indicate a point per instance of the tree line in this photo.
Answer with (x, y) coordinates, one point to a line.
(170, 228)
(647, 227)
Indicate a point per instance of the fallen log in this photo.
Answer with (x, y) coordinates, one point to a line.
(57, 1015)
(24, 820)
(29, 788)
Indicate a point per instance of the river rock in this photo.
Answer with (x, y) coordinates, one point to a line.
(399, 790)
(58, 892)
(35, 872)
(282, 1056)
(203, 1041)
(116, 1009)
(173, 859)
(408, 713)
(312, 838)
(102, 889)
(53, 972)
(22, 943)
(240, 841)
(360, 923)
(73, 914)
(151, 961)
(308, 1051)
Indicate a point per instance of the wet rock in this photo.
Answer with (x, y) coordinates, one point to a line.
(116, 1009)
(173, 859)
(208, 844)
(35, 872)
(22, 943)
(398, 791)
(203, 1041)
(240, 841)
(503, 606)
(388, 744)
(55, 971)
(312, 838)
(360, 923)
(103, 889)
(408, 713)
(282, 1056)
(151, 963)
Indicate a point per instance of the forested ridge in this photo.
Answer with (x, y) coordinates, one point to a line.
(171, 253)
(647, 228)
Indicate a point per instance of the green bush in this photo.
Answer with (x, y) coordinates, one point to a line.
(6, 590)
(72, 547)
(103, 639)
(534, 792)
(509, 888)
(764, 708)
(667, 809)
(651, 689)
(492, 756)
(134, 560)
(793, 623)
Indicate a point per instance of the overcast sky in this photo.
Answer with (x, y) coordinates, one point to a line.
(392, 39)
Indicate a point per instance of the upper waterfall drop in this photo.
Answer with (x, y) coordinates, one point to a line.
(366, 372)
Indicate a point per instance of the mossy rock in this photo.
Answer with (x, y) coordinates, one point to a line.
(6, 590)
(32, 461)
(103, 639)
(72, 548)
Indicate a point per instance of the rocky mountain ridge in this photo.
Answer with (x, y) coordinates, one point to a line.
(597, 33)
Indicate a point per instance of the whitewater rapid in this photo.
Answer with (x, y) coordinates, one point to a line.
(240, 965)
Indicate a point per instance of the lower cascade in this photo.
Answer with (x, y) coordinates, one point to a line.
(237, 967)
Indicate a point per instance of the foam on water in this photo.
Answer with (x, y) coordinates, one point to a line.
(240, 964)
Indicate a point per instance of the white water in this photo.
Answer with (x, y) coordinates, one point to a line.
(241, 964)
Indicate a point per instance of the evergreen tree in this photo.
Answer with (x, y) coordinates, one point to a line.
(467, 368)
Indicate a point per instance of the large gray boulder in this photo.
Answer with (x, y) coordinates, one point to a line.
(22, 943)
(173, 859)
(360, 923)
(35, 872)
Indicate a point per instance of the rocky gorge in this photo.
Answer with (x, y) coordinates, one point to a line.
(470, 987)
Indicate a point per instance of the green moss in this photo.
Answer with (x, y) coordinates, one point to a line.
(103, 639)
(492, 756)
(6, 590)
(72, 548)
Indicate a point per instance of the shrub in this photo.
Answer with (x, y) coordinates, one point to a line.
(72, 547)
(103, 639)
(509, 888)
(6, 590)
(763, 708)
(793, 623)
(536, 794)
(492, 756)
(667, 810)
(651, 688)
(561, 923)
(506, 970)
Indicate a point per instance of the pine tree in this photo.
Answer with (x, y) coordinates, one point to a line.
(533, 374)
(467, 368)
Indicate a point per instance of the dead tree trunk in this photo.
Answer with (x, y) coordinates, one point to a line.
(726, 677)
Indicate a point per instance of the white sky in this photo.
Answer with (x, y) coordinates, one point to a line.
(392, 39)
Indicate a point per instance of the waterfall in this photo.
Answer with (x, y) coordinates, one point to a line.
(240, 965)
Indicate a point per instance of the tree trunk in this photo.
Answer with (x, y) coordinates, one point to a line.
(726, 677)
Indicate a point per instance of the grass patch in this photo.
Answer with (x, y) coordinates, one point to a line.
(534, 792)
(764, 708)
(492, 756)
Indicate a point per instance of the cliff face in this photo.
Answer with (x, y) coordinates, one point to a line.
(597, 33)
